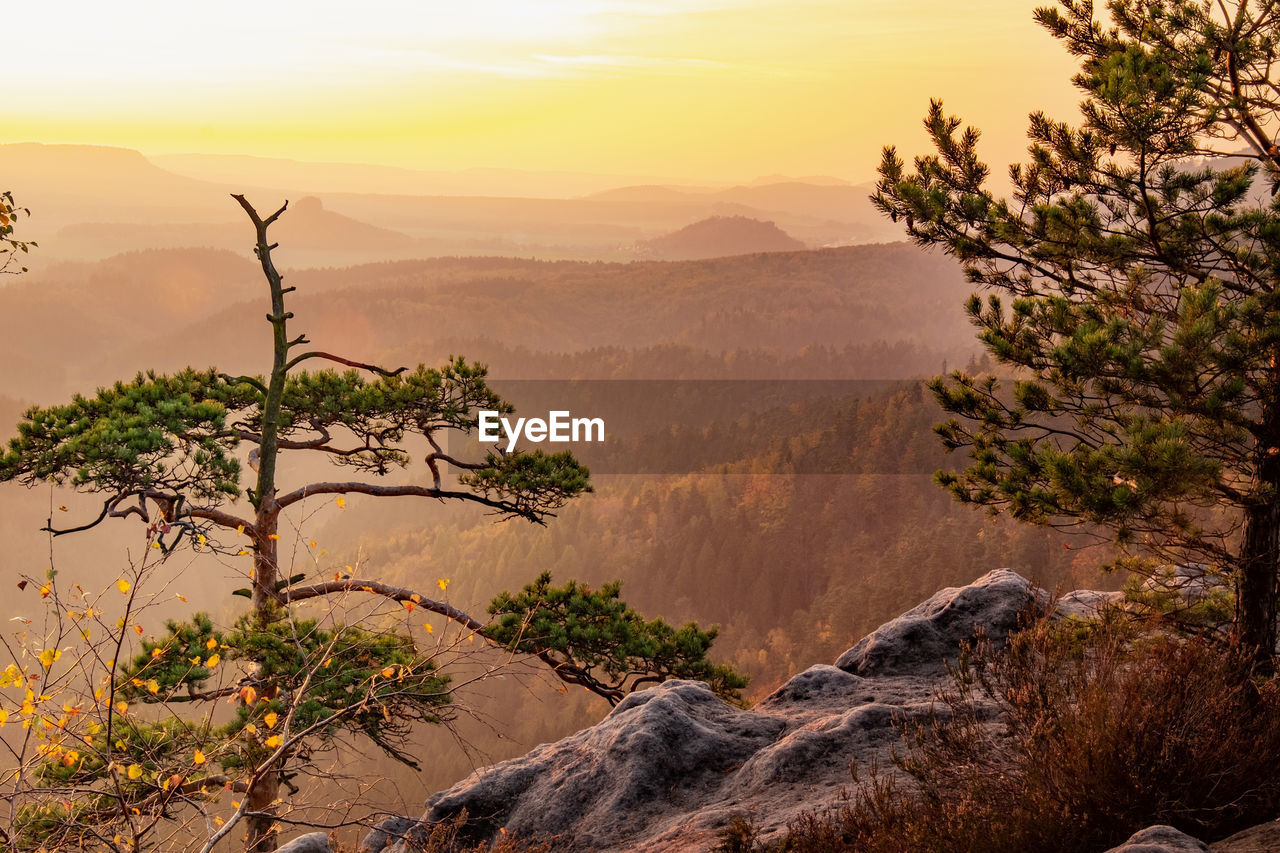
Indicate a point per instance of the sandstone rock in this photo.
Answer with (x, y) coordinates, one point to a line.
(1085, 603)
(1160, 839)
(670, 766)
(1263, 838)
(1193, 581)
(657, 751)
(921, 639)
(387, 833)
(312, 842)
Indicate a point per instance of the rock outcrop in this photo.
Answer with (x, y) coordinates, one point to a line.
(1160, 839)
(670, 766)
(312, 842)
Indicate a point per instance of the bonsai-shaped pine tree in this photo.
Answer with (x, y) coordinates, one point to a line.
(594, 639)
(163, 449)
(1134, 282)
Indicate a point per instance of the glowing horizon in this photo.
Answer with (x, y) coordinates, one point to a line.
(691, 89)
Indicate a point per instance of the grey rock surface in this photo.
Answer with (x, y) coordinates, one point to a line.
(1160, 839)
(1085, 603)
(312, 842)
(670, 766)
(921, 639)
(387, 833)
(1263, 838)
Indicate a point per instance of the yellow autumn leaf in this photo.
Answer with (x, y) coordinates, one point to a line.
(409, 605)
(213, 660)
(156, 652)
(198, 757)
(429, 629)
(273, 741)
(181, 597)
(135, 771)
(273, 535)
(270, 719)
(123, 586)
(211, 644)
(4, 716)
(389, 671)
(239, 529)
(248, 695)
(122, 708)
(48, 656)
(44, 591)
(443, 583)
(153, 686)
(341, 502)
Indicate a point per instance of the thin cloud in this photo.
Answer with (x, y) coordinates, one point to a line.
(674, 66)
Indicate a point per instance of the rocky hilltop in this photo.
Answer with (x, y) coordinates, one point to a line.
(670, 766)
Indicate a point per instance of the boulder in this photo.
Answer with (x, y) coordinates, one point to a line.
(1263, 838)
(1160, 839)
(1086, 603)
(312, 842)
(926, 636)
(1192, 581)
(387, 833)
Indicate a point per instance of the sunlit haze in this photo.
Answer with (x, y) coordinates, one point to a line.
(719, 90)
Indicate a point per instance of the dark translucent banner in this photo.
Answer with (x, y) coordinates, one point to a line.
(718, 426)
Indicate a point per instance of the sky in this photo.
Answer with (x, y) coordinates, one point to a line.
(719, 90)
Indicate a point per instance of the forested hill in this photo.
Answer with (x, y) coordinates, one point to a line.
(719, 236)
(831, 310)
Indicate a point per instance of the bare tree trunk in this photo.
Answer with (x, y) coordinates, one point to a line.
(262, 835)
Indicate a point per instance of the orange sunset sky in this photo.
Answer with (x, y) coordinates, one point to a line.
(716, 90)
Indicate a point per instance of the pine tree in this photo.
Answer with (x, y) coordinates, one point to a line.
(165, 449)
(1133, 294)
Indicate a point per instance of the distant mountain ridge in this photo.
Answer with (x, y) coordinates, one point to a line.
(89, 202)
(718, 237)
